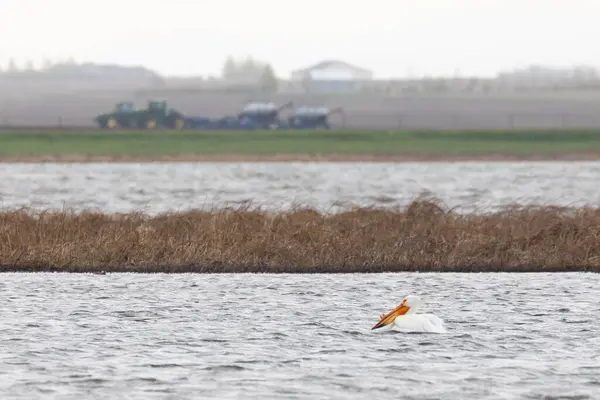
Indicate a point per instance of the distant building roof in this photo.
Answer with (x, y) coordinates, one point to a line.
(331, 63)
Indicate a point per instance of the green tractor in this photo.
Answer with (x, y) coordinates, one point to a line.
(121, 117)
(157, 115)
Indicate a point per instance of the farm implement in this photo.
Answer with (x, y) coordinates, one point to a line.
(254, 115)
(313, 117)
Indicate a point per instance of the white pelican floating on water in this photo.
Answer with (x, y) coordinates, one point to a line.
(405, 319)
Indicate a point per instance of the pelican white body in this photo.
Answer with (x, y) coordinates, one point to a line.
(404, 318)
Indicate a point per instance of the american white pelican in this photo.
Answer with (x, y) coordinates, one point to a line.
(405, 319)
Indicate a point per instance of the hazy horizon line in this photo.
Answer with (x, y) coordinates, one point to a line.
(40, 65)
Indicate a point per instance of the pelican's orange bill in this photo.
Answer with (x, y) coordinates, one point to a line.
(390, 317)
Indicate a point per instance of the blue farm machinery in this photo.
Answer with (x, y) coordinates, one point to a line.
(313, 117)
(261, 116)
(254, 115)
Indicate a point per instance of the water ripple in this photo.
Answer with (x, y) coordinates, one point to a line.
(297, 336)
(160, 187)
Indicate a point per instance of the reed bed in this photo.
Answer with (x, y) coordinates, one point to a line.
(425, 236)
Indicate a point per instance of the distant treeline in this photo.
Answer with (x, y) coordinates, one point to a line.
(249, 74)
(246, 71)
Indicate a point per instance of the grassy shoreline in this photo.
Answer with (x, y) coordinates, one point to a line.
(363, 145)
(422, 237)
(289, 158)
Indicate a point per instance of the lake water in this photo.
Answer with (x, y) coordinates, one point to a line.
(469, 187)
(510, 336)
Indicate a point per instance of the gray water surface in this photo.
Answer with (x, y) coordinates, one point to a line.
(126, 336)
(160, 187)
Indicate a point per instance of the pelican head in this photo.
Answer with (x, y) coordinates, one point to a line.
(408, 306)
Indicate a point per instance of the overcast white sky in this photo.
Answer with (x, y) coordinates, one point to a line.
(391, 37)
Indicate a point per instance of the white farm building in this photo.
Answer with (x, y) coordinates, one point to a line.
(331, 76)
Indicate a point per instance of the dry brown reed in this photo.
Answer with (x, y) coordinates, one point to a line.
(422, 237)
